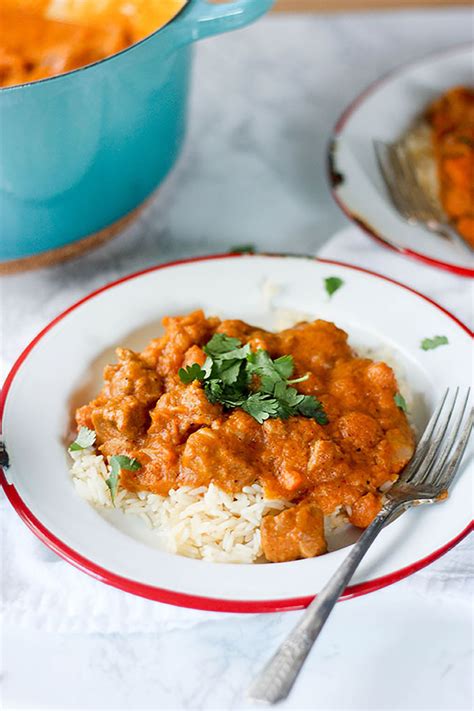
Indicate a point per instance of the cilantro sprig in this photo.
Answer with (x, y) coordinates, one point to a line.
(117, 463)
(235, 376)
(85, 439)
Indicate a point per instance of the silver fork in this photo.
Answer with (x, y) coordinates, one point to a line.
(424, 481)
(408, 196)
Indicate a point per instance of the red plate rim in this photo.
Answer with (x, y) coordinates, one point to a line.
(169, 596)
(332, 170)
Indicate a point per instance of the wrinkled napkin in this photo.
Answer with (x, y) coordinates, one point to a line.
(41, 591)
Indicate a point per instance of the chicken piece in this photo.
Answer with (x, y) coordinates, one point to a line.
(295, 533)
(180, 411)
(315, 346)
(359, 430)
(287, 452)
(228, 454)
(365, 509)
(194, 355)
(160, 465)
(121, 409)
(181, 332)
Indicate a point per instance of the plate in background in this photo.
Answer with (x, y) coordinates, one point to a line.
(384, 111)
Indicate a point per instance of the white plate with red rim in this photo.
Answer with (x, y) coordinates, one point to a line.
(384, 111)
(36, 410)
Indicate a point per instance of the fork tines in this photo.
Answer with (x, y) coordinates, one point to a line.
(408, 196)
(443, 443)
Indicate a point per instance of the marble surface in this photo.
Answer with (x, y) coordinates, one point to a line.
(253, 170)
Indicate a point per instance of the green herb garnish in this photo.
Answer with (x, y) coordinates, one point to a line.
(243, 249)
(191, 372)
(428, 344)
(235, 376)
(400, 402)
(261, 407)
(117, 463)
(467, 140)
(332, 284)
(84, 440)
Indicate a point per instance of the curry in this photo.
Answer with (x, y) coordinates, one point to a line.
(452, 121)
(343, 439)
(43, 38)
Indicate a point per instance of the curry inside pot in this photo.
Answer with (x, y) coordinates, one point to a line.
(43, 38)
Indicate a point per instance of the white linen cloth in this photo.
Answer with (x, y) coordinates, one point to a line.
(41, 591)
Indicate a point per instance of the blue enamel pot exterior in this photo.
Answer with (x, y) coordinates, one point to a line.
(81, 150)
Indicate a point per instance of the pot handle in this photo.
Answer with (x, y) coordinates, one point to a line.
(203, 19)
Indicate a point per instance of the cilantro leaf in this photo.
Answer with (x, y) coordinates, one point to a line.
(270, 371)
(235, 354)
(332, 284)
(429, 344)
(190, 373)
(284, 365)
(230, 370)
(117, 463)
(220, 343)
(84, 440)
(288, 400)
(214, 391)
(310, 406)
(289, 396)
(234, 376)
(243, 249)
(260, 363)
(400, 402)
(260, 406)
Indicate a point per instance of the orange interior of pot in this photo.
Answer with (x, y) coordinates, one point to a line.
(42, 38)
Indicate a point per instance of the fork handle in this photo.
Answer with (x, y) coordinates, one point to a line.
(276, 679)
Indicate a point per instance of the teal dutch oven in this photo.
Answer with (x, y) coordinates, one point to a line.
(81, 151)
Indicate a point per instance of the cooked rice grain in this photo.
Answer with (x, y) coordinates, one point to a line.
(203, 522)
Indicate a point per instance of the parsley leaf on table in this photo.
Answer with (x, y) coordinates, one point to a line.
(429, 344)
(117, 463)
(84, 440)
(332, 284)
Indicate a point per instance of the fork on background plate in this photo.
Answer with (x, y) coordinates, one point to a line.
(425, 480)
(408, 196)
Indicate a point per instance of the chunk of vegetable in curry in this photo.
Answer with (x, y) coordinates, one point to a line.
(146, 412)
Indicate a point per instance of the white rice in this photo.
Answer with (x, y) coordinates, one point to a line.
(203, 522)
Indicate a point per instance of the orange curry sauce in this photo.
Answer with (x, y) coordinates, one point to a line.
(181, 439)
(452, 120)
(42, 38)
